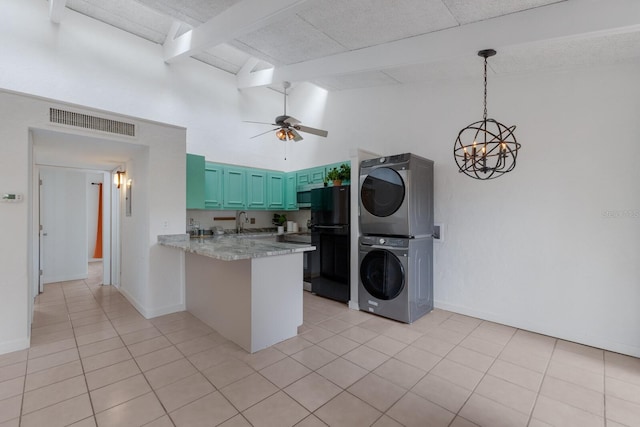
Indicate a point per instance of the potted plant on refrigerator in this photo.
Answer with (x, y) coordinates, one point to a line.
(345, 172)
(334, 175)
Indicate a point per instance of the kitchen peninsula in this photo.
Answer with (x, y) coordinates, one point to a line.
(248, 289)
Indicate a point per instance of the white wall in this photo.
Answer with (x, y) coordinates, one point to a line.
(551, 247)
(148, 279)
(89, 63)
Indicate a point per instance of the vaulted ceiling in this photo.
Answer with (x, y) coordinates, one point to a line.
(346, 44)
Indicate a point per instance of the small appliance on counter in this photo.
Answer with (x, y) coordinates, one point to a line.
(330, 229)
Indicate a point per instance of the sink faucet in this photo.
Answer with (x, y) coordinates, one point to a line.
(239, 222)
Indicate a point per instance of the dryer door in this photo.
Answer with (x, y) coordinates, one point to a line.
(382, 192)
(382, 274)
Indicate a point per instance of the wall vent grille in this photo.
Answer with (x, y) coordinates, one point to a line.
(91, 122)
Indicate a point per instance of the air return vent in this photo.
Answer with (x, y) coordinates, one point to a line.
(91, 122)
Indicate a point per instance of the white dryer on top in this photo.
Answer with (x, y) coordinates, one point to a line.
(396, 196)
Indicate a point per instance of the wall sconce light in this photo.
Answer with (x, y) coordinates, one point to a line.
(118, 178)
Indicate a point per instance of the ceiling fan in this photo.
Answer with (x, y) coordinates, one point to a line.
(288, 127)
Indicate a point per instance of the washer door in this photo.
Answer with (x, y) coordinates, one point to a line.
(382, 192)
(382, 274)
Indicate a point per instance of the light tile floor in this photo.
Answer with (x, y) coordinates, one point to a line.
(95, 360)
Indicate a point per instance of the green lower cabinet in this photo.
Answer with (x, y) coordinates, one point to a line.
(213, 186)
(195, 182)
(257, 189)
(275, 190)
(290, 191)
(234, 185)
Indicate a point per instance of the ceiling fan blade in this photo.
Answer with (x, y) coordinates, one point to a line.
(312, 131)
(263, 133)
(260, 123)
(296, 135)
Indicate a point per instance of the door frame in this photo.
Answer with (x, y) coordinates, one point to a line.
(110, 229)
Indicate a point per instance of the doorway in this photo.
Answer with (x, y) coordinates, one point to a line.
(74, 223)
(72, 154)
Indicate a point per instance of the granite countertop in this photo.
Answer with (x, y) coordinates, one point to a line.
(232, 247)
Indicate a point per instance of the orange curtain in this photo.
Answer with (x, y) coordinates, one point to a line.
(97, 252)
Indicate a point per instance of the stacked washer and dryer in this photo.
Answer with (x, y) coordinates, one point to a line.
(396, 242)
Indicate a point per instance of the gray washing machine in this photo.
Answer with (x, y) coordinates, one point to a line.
(396, 276)
(396, 196)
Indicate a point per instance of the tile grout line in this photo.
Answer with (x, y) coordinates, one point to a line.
(544, 374)
(457, 414)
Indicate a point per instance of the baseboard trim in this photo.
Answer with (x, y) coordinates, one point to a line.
(588, 340)
(15, 345)
(155, 312)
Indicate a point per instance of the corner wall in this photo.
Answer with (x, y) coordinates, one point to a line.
(551, 247)
(153, 283)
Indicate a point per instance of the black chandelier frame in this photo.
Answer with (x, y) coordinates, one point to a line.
(494, 148)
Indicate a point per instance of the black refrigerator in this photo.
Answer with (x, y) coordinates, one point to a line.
(330, 213)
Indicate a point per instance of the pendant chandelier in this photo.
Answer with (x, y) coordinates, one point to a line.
(486, 149)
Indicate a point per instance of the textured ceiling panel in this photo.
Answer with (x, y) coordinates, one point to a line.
(126, 15)
(290, 41)
(568, 53)
(454, 69)
(466, 11)
(354, 81)
(193, 12)
(361, 23)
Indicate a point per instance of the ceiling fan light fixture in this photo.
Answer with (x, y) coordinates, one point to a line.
(281, 134)
(492, 149)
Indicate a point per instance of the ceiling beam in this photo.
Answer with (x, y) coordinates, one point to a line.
(239, 19)
(56, 10)
(564, 20)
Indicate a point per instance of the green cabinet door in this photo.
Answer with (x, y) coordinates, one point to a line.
(290, 194)
(316, 175)
(275, 190)
(256, 189)
(195, 181)
(310, 178)
(235, 188)
(213, 186)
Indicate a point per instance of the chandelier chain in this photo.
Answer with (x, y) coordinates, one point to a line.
(485, 88)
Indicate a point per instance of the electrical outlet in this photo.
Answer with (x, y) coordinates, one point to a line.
(165, 224)
(253, 220)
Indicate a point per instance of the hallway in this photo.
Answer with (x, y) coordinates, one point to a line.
(95, 360)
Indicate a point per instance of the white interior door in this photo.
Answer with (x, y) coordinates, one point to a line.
(63, 216)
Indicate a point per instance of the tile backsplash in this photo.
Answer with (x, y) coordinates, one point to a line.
(263, 219)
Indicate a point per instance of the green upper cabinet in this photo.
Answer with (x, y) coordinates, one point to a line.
(275, 190)
(257, 189)
(213, 186)
(195, 182)
(290, 191)
(235, 187)
(219, 186)
(316, 175)
(310, 177)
